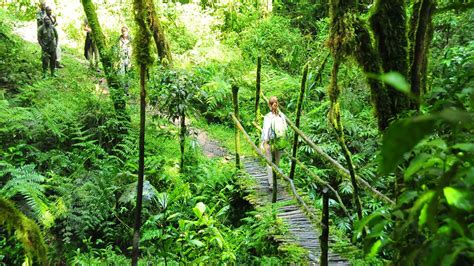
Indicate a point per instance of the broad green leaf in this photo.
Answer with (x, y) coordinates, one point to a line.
(397, 81)
(462, 118)
(407, 197)
(467, 147)
(457, 198)
(199, 209)
(219, 241)
(401, 137)
(375, 248)
(196, 243)
(420, 202)
(453, 224)
(437, 143)
(450, 258)
(415, 165)
(423, 216)
(365, 221)
(172, 216)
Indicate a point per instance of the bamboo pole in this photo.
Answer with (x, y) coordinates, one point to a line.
(274, 168)
(297, 121)
(235, 100)
(336, 165)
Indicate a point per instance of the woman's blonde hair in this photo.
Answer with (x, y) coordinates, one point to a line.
(272, 100)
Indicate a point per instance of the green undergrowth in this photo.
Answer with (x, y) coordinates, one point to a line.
(70, 165)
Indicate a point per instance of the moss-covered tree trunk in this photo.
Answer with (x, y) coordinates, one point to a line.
(113, 81)
(388, 21)
(420, 40)
(162, 46)
(143, 58)
(334, 116)
(393, 50)
(350, 36)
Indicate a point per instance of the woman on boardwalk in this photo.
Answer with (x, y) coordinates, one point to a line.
(274, 127)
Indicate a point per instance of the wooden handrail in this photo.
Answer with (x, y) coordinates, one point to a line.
(316, 178)
(274, 167)
(339, 168)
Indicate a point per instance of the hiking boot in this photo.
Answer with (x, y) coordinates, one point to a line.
(59, 65)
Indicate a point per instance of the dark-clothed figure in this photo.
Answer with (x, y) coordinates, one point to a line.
(48, 39)
(90, 49)
(40, 14)
(54, 22)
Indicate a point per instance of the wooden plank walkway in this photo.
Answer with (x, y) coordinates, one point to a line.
(301, 230)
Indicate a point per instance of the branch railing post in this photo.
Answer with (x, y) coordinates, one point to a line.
(297, 121)
(315, 177)
(274, 177)
(324, 238)
(274, 167)
(258, 91)
(334, 163)
(235, 100)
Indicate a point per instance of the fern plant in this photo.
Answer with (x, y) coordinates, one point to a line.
(28, 184)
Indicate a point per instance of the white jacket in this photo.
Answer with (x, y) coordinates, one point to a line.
(277, 122)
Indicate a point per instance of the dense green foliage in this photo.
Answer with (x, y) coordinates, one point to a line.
(69, 162)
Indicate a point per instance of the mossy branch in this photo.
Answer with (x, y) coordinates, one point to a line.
(26, 230)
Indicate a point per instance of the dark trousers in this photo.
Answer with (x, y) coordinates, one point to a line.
(49, 58)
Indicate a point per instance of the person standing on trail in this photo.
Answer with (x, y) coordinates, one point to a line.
(48, 40)
(90, 49)
(274, 128)
(41, 14)
(125, 56)
(49, 14)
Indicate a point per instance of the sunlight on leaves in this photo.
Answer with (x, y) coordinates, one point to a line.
(457, 198)
(397, 81)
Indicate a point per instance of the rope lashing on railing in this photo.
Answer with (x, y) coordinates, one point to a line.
(341, 169)
(316, 178)
(275, 168)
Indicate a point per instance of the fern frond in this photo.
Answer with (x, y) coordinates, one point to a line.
(28, 183)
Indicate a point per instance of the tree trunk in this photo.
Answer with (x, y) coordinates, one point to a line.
(420, 39)
(141, 167)
(182, 139)
(141, 44)
(297, 121)
(388, 22)
(113, 81)
(162, 45)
